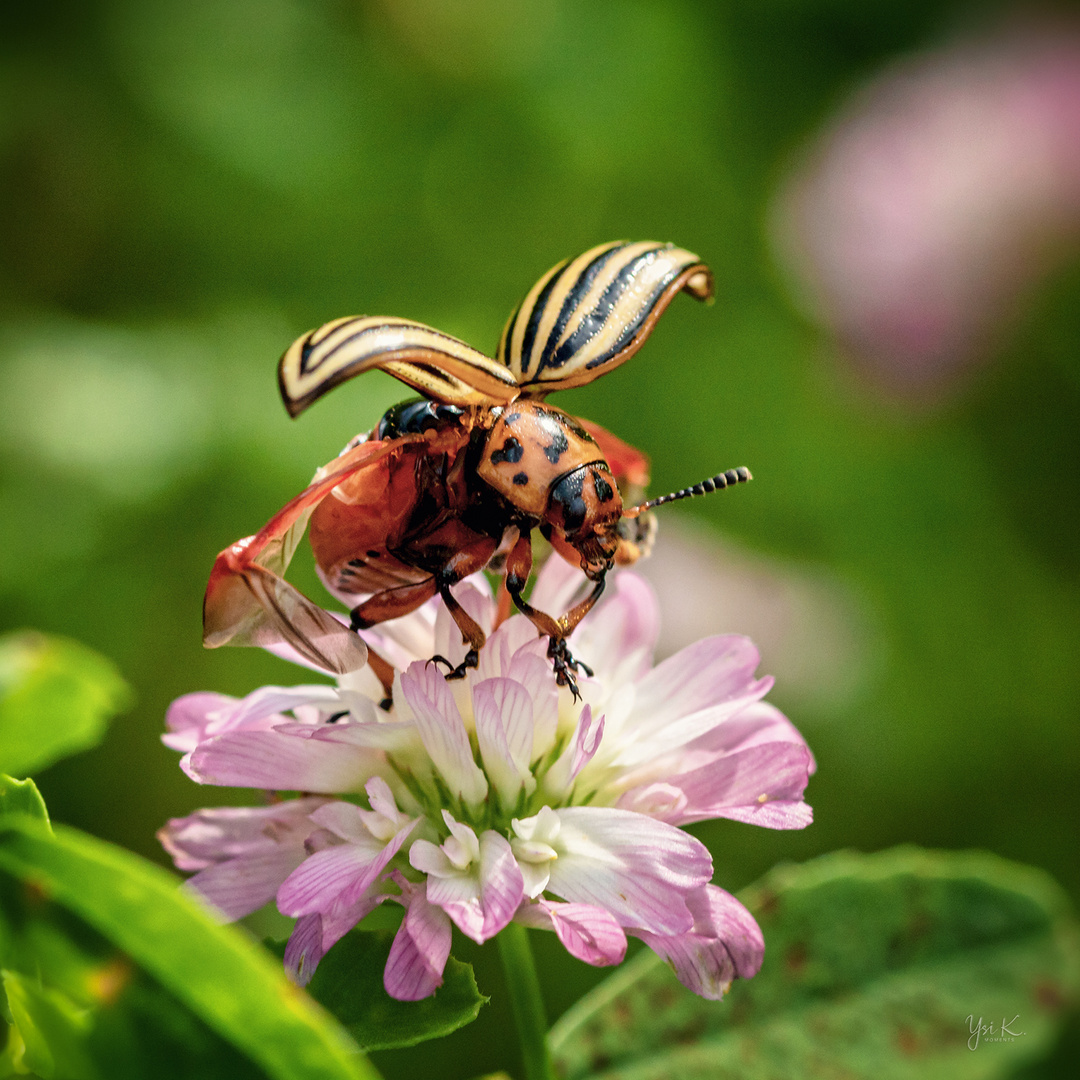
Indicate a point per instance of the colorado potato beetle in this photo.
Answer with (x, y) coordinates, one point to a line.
(447, 483)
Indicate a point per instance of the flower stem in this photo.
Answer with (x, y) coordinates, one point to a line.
(526, 1001)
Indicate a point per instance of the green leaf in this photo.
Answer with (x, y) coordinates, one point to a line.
(56, 698)
(349, 982)
(22, 797)
(223, 977)
(873, 966)
(52, 1028)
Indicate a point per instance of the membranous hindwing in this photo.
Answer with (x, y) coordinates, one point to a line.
(587, 315)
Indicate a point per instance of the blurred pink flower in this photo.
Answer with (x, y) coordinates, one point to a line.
(499, 797)
(936, 197)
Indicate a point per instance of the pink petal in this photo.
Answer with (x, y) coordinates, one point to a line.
(443, 731)
(557, 586)
(758, 722)
(344, 820)
(337, 876)
(240, 886)
(724, 944)
(589, 933)
(504, 732)
(497, 655)
(226, 832)
(638, 869)
(338, 873)
(272, 700)
(711, 672)
(763, 785)
(390, 735)
(619, 636)
(578, 753)
(531, 669)
(279, 762)
(304, 950)
(414, 968)
(341, 918)
(188, 717)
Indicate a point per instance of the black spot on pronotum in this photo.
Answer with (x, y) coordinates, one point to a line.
(567, 495)
(604, 491)
(521, 479)
(373, 554)
(510, 451)
(558, 447)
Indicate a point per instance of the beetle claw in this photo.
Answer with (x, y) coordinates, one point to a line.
(472, 658)
(566, 667)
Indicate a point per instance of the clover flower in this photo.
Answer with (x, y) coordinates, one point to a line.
(499, 796)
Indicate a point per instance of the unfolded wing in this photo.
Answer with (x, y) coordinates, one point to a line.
(628, 465)
(440, 366)
(589, 314)
(248, 602)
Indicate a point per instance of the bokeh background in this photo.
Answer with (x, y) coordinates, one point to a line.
(889, 195)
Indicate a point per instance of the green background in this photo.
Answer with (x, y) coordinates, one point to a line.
(186, 185)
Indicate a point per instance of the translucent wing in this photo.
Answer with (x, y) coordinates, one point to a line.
(248, 602)
(439, 366)
(587, 315)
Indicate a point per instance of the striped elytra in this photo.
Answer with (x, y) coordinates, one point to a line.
(583, 318)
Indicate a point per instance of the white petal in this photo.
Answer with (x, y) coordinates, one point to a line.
(443, 731)
(504, 732)
(638, 869)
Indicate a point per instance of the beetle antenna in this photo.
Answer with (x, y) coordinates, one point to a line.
(714, 483)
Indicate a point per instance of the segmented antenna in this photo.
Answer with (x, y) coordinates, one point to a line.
(714, 483)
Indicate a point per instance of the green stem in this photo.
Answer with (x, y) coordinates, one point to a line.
(526, 1001)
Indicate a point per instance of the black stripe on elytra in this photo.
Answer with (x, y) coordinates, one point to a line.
(535, 316)
(508, 337)
(594, 322)
(578, 291)
(309, 348)
(632, 328)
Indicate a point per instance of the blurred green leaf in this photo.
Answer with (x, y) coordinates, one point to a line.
(873, 965)
(349, 982)
(223, 977)
(22, 797)
(56, 698)
(52, 1029)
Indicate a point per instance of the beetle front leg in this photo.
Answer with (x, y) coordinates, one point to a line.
(518, 568)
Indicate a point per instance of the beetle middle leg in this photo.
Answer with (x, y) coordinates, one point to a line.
(467, 561)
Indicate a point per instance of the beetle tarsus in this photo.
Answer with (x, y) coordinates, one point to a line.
(566, 667)
(472, 658)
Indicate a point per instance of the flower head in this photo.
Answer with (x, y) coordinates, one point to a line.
(499, 796)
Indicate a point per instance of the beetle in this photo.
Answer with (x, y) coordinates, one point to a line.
(457, 480)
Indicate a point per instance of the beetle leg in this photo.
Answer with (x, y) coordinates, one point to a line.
(463, 563)
(392, 603)
(518, 568)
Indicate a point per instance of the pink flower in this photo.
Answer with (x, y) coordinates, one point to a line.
(937, 196)
(500, 797)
